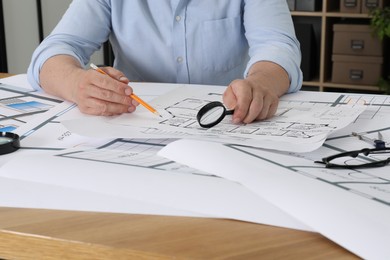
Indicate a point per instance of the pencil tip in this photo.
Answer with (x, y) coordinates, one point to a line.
(157, 113)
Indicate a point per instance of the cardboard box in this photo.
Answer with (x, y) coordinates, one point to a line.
(356, 70)
(368, 5)
(308, 5)
(350, 6)
(356, 39)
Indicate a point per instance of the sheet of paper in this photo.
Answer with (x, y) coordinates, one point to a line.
(202, 194)
(19, 80)
(150, 91)
(299, 125)
(26, 194)
(18, 106)
(351, 207)
(49, 150)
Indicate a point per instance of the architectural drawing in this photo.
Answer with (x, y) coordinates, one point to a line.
(132, 152)
(297, 121)
(18, 105)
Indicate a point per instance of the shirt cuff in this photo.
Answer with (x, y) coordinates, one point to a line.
(292, 68)
(36, 65)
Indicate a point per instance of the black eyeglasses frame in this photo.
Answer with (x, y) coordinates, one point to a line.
(354, 154)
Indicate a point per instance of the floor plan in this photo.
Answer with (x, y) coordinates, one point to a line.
(17, 105)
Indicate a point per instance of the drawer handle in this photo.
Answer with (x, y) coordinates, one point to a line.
(350, 3)
(357, 44)
(355, 74)
(372, 3)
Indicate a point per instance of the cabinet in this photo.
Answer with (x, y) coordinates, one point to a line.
(322, 22)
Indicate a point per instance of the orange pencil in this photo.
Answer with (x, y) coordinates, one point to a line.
(133, 96)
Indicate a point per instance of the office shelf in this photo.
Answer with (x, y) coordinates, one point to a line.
(323, 22)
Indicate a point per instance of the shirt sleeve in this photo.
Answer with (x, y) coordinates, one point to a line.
(271, 37)
(72, 35)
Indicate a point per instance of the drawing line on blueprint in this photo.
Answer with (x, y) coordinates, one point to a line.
(183, 114)
(16, 103)
(132, 152)
(366, 182)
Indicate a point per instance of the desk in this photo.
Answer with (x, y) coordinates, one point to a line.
(52, 234)
(35, 234)
(4, 75)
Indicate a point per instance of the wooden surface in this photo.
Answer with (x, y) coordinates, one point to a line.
(49, 234)
(4, 75)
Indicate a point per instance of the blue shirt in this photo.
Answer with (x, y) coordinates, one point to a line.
(177, 41)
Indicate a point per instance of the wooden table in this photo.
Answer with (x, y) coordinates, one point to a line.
(51, 234)
(48, 234)
(4, 75)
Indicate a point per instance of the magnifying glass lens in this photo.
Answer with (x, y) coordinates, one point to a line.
(5, 140)
(213, 115)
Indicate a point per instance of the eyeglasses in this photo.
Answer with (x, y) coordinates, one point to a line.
(360, 162)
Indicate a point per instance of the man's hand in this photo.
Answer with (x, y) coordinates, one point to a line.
(99, 94)
(93, 92)
(257, 96)
(251, 101)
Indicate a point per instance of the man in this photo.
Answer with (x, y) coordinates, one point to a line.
(247, 45)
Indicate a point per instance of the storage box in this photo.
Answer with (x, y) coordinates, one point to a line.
(350, 6)
(308, 5)
(356, 39)
(368, 5)
(291, 4)
(356, 70)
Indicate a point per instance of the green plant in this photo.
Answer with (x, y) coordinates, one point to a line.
(380, 22)
(384, 85)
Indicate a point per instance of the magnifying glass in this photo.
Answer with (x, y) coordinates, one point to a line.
(212, 113)
(9, 142)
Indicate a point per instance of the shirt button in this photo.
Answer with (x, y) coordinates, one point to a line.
(178, 18)
(179, 59)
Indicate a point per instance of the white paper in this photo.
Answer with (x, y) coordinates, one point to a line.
(26, 194)
(43, 135)
(18, 105)
(297, 121)
(196, 193)
(19, 80)
(351, 208)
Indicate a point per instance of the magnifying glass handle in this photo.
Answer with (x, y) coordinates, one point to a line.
(229, 112)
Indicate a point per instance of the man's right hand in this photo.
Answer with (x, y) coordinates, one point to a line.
(93, 92)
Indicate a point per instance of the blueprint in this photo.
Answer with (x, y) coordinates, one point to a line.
(17, 106)
(130, 170)
(351, 207)
(299, 125)
(161, 163)
(132, 152)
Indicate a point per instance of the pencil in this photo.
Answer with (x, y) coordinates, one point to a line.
(133, 96)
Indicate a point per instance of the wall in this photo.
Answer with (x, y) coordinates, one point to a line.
(22, 29)
(21, 33)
